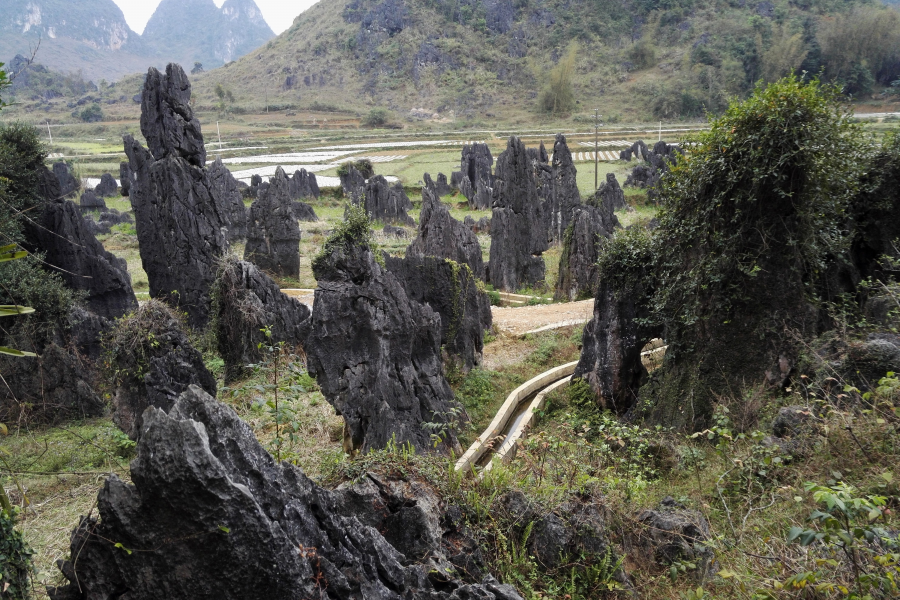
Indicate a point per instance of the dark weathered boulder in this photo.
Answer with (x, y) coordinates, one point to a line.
(443, 236)
(126, 178)
(107, 186)
(154, 362)
(68, 184)
(397, 232)
(114, 217)
(610, 194)
(90, 201)
(574, 528)
(375, 353)
(456, 178)
(273, 236)
(167, 119)
(385, 202)
(658, 161)
(638, 150)
(442, 187)
(672, 533)
(578, 272)
(228, 200)
(201, 474)
(246, 302)
(519, 230)
(81, 261)
(304, 212)
(303, 185)
(96, 228)
(477, 182)
(176, 210)
(451, 290)
(353, 183)
(178, 229)
(869, 360)
(57, 385)
(562, 194)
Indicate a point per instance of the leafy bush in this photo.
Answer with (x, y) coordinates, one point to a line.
(353, 231)
(16, 567)
(363, 165)
(91, 114)
(377, 117)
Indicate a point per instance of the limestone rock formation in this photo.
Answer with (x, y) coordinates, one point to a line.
(518, 224)
(443, 236)
(477, 182)
(442, 187)
(175, 207)
(273, 236)
(562, 196)
(375, 353)
(451, 290)
(303, 185)
(397, 232)
(247, 301)
(385, 202)
(353, 183)
(154, 363)
(68, 184)
(482, 225)
(107, 186)
(201, 473)
(126, 178)
(610, 195)
(658, 161)
(90, 201)
(578, 272)
(167, 119)
(81, 261)
(304, 212)
(229, 201)
(638, 150)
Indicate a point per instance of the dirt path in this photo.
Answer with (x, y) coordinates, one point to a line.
(520, 320)
(517, 320)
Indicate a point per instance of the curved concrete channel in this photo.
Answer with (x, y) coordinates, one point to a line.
(513, 420)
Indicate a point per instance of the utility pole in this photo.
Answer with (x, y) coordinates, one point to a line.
(596, 148)
(219, 133)
(660, 131)
(267, 99)
(50, 133)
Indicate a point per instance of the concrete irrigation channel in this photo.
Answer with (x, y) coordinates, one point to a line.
(513, 420)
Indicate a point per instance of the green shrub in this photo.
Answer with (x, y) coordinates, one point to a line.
(16, 568)
(558, 96)
(363, 165)
(91, 114)
(354, 230)
(377, 117)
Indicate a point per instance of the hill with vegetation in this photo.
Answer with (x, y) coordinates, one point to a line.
(92, 39)
(632, 58)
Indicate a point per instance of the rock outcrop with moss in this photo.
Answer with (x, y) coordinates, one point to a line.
(151, 361)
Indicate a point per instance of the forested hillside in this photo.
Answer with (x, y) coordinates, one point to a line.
(633, 58)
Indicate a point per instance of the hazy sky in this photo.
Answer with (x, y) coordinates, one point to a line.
(278, 13)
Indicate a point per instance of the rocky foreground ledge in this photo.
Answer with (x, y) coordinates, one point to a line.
(212, 515)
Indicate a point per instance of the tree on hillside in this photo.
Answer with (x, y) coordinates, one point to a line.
(785, 54)
(558, 97)
(862, 48)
